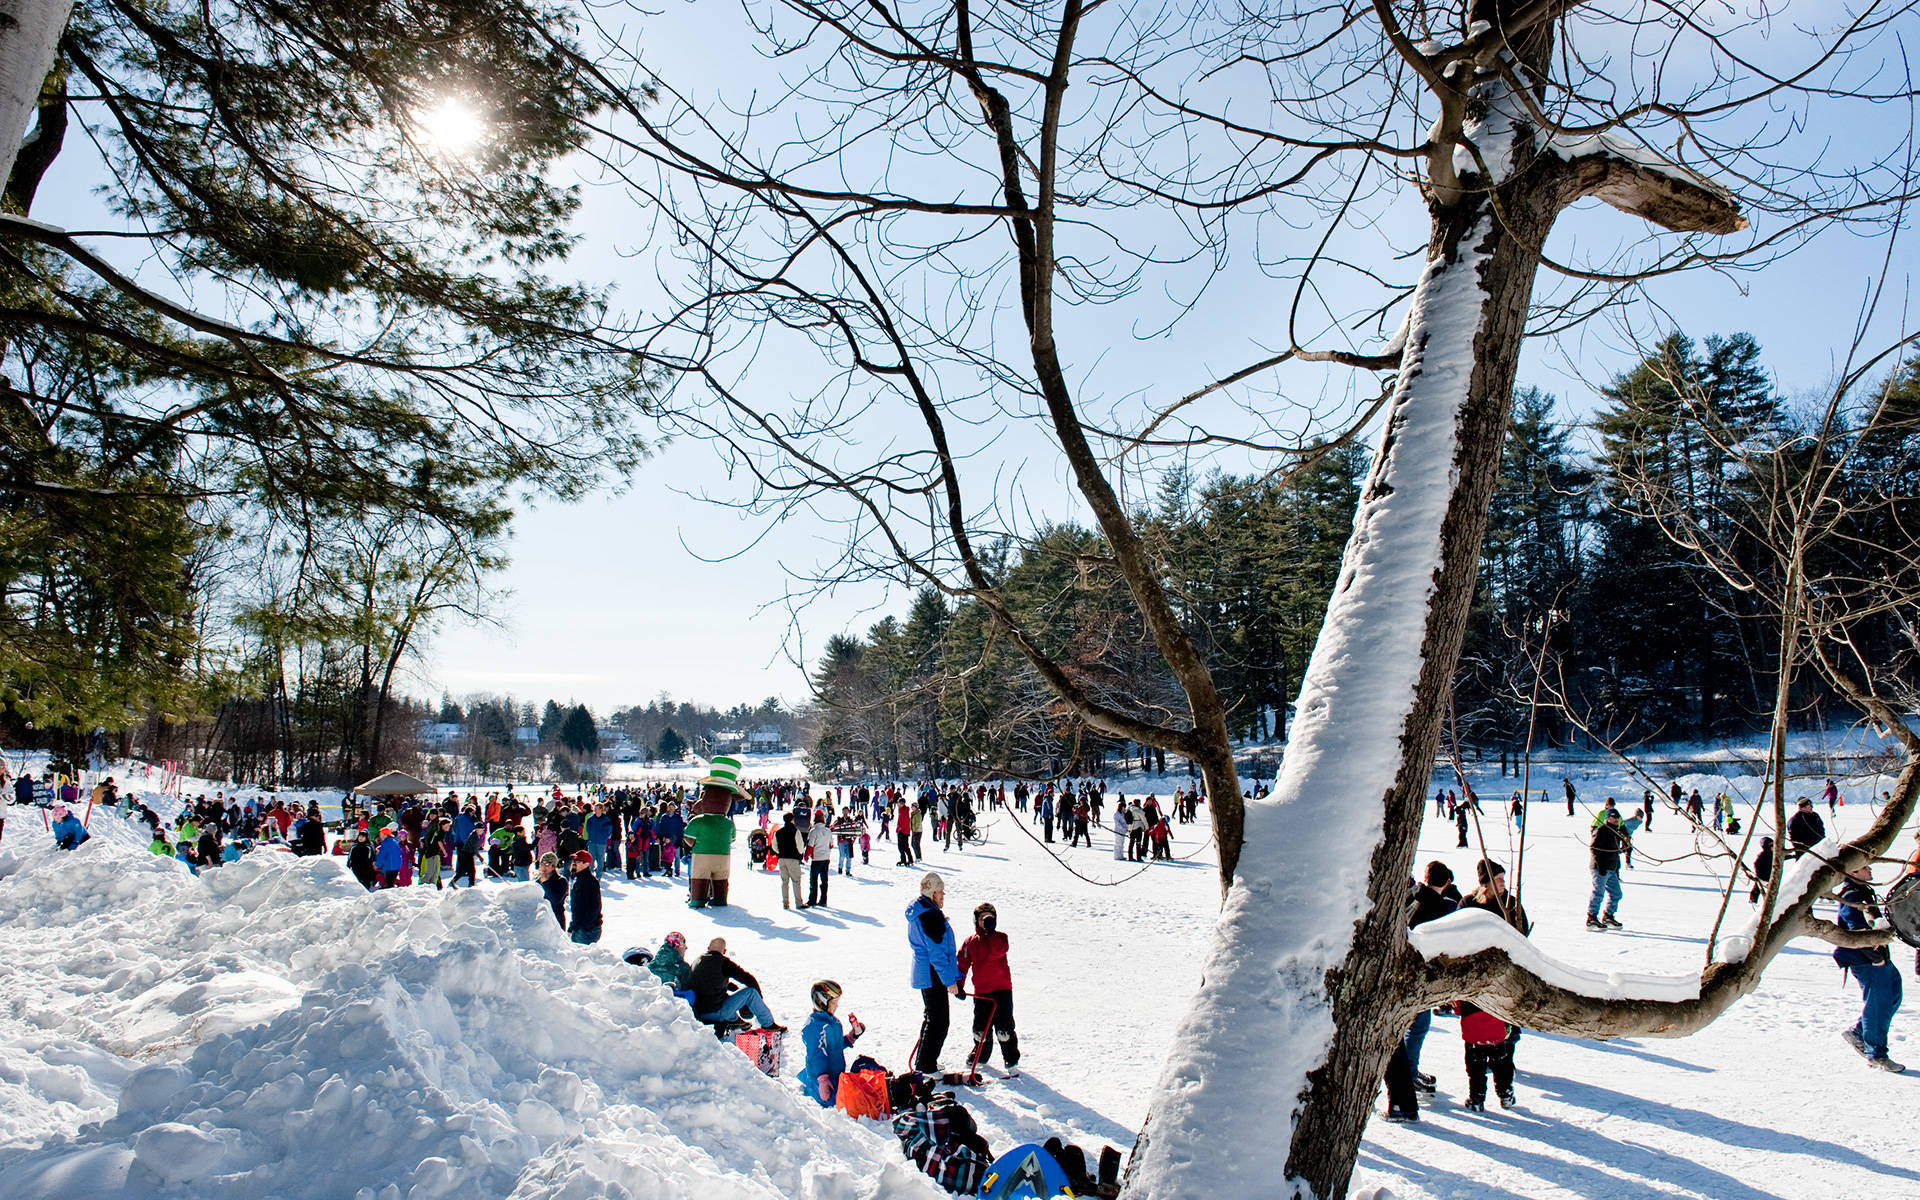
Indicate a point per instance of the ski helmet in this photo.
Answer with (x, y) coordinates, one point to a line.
(825, 992)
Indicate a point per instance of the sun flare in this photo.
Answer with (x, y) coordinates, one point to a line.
(452, 126)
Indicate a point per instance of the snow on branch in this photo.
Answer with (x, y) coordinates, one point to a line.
(1639, 180)
(1470, 931)
(1476, 955)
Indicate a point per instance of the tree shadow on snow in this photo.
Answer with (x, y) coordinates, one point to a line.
(1433, 1179)
(735, 917)
(1596, 1166)
(1702, 1124)
(819, 914)
(1022, 1121)
(1621, 1047)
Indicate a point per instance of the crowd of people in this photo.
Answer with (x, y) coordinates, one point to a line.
(804, 831)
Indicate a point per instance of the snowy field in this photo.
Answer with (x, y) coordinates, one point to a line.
(270, 1030)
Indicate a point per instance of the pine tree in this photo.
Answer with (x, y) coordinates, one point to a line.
(1676, 639)
(578, 734)
(671, 747)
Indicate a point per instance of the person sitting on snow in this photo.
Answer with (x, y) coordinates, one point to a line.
(713, 1003)
(670, 962)
(826, 1044)
(68, 832)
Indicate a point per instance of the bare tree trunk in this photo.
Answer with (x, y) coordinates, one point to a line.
(29, 31)
(1332, 847)
(1312, 937)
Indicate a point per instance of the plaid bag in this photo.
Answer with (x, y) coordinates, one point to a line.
(957, 1167)
(920, 1130)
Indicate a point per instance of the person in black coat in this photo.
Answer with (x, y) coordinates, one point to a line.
(554, 885)
(360, 861)
(787, 846)
(584, 928)
(1428, 901)
(713, 1002)
(311, 838)
(1762, 869)
(1609, 844)
(1805, 829)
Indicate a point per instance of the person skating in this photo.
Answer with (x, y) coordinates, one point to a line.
(826, 1044)
(903, 831)
(1608, 844)
(1872, 968)
(786, 845)
(713, 1003)
(1460, 824)
(1567, 784)
(711, 832)
(584, 924)
(936, 968)
(1119, 832)
(984, 955)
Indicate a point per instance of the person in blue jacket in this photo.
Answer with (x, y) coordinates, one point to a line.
(389, 858)
(668, 828)
(1872, 969)
(936, 968)
(68, 832)
(599, 829)
(826, 1044)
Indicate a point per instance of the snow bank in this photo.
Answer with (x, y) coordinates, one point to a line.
(1472, 930)
(270, 1029)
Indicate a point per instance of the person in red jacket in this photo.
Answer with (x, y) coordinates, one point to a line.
(985, 955)
(1488, 1049)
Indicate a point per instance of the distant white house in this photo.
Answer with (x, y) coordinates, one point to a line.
(616, 746)
(439, 735)
(526, 735)
(766, 740)
(729, 741)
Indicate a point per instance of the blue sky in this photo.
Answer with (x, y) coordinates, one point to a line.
(621, 597)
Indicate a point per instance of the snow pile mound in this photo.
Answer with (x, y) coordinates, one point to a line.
(270, 1029)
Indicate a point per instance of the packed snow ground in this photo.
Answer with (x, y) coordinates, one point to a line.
(270, 1030)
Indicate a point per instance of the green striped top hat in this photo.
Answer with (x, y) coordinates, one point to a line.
(724, 771)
